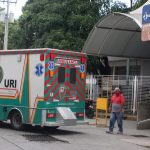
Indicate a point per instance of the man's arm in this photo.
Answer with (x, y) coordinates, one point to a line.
(122, 103)
(122, 100)
(110, 104)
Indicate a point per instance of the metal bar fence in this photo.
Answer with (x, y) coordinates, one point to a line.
(136, 89)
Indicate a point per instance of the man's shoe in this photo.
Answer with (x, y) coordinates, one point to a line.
(109, 132)
(119, 132)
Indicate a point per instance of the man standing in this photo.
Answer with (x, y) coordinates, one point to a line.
(116, 106)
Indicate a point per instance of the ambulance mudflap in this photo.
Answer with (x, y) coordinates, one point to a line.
(43, 87)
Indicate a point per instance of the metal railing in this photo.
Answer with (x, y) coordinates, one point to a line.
(136, 89)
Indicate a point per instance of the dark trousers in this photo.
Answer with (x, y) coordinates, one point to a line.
(116, 116)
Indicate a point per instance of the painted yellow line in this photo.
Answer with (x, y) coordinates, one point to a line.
(7, 97)
(23, 78)
(29, 97)
(10, 97)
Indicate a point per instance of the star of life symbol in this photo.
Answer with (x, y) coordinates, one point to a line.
(39, 69)
(82, 68)
(51, 65)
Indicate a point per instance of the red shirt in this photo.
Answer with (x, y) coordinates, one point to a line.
(117, 99)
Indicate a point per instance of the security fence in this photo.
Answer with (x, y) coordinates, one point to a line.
(136, 89)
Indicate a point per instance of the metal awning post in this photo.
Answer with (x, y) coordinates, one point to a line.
(135, 95)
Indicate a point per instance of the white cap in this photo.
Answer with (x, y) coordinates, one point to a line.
(116, 89)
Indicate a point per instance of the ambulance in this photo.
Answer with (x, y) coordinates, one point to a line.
(44, 87)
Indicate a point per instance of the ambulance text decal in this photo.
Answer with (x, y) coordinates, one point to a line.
(9, 83)
(67, 61)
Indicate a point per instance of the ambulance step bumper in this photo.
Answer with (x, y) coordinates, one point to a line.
(65, 116)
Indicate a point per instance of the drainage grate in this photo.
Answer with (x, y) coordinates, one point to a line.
(42, 138)
(140, 136)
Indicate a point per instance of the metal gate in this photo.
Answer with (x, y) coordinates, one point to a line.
(136, 89)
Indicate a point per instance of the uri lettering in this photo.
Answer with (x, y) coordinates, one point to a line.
(9, 83)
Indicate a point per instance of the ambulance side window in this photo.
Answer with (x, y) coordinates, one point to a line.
(73, 75)
(61, 74)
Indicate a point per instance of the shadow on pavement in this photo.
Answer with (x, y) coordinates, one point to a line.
(41, 130)
(49, 130)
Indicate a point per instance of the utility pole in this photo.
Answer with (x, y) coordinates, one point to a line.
(131, 4)
(6, 27)
(6, 22)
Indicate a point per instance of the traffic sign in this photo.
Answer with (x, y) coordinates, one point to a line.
(145, 34)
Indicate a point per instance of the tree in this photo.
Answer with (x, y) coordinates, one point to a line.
(16, 36)
(60, 24)
(118, 6)
(137, 3)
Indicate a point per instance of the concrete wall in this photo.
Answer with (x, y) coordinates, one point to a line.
(143, 116)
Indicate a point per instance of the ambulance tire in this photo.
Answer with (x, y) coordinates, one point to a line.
(16, 121)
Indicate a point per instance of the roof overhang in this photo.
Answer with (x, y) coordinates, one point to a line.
(118, 35)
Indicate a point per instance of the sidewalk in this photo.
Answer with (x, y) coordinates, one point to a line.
(131, 134)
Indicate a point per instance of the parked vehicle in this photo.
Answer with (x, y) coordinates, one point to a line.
(42, 87)
(89, 109)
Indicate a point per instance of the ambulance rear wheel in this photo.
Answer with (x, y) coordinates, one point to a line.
(16, 121)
